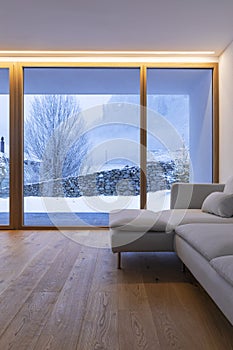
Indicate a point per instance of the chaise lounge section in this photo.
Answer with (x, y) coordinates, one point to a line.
(137, 230)
(198, 227)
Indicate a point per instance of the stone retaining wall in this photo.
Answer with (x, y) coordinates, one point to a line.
(125, 182)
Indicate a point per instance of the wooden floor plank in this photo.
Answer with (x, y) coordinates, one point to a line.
(176, 317)
(99, 328)
(100, 324)
(59, 294)
(21, 250)
(18, 291)
(63, 327)
(134, 310)
(57, 274)
(26, 327)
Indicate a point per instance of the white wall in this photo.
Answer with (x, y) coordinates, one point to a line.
(226, 113)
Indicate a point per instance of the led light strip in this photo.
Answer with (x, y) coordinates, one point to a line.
(101, 53)
(107, 56)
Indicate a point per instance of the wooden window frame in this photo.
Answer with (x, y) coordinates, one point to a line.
(17, 128)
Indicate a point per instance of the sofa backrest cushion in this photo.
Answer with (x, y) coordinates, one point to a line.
(192, 195)
(228, 189)
(219, 203)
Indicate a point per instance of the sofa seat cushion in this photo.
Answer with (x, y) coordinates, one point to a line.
(141, 220)
(224, 266)
(136, 220)
(210, 240)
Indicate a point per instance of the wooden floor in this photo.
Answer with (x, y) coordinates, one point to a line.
(58, 294)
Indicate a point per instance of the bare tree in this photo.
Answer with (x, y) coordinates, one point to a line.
(54, 134)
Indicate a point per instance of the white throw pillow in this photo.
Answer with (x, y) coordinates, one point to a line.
(219, 203)
(228, 189)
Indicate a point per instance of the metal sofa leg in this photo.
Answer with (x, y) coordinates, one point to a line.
(119, 260)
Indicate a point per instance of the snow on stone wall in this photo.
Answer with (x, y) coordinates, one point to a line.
(124, 182)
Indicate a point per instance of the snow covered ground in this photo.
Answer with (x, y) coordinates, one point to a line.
(156, 201)
(34, 206)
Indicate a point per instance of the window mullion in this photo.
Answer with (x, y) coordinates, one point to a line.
(143, 139)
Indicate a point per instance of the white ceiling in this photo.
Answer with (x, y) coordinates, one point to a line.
(116, 25)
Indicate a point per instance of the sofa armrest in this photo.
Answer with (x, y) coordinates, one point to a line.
(191, 196)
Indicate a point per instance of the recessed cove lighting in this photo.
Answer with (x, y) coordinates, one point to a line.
(99, 53)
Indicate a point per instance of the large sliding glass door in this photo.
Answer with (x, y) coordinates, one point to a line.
(4, 146)
(81, 144)
(86, 140)
(179, 129)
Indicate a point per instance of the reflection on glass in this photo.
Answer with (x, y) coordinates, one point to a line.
(179, 131)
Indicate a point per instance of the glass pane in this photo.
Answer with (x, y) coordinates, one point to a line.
(4, 147)
(81, 144)
(179, 131)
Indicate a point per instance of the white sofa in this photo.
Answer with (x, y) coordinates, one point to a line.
(145, 230)
(207, 251)
(202, 240)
